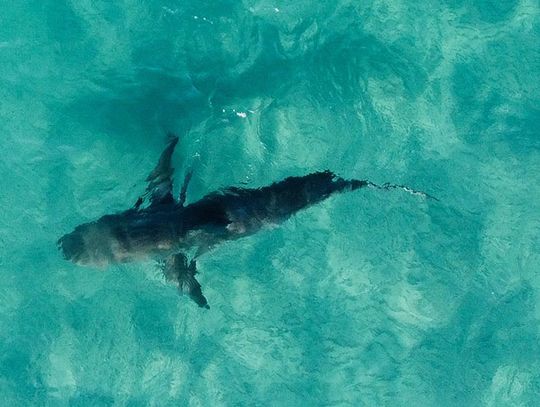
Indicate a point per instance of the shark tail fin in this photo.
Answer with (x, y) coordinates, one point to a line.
(388, 186)
(177, 269)
(340, 184)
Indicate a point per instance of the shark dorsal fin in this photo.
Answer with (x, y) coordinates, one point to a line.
(160, 181)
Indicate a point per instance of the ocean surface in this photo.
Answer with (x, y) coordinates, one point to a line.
(370, 298)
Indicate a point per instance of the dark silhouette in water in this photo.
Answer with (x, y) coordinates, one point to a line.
(167, 229)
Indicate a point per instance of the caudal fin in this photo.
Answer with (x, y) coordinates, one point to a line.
(338, 184)
(387, 186)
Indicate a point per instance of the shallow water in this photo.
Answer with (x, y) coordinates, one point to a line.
(369, 298)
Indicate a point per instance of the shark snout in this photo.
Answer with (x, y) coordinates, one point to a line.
(72, 246)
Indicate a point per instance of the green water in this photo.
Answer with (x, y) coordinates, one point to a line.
(369, 298)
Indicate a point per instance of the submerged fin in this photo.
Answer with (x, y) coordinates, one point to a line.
(160, 179)
(183, 191)
(160, 183)
(177, 269)
(138, 203)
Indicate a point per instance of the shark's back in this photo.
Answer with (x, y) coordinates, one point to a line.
(246, 210)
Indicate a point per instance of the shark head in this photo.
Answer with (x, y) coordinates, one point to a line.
(93, 244)
(87, 245)
(72, 246)
(123, 237)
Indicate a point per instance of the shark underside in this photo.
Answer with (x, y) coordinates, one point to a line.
(165, 229)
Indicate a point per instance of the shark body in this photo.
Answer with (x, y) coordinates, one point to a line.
(167, 229)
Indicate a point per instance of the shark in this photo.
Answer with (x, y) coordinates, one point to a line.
(175, 234)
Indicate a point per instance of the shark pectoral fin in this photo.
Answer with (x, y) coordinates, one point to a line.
(160, 182)
(191, 287)
(177, 269)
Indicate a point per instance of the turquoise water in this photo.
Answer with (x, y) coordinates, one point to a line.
(369, 298)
